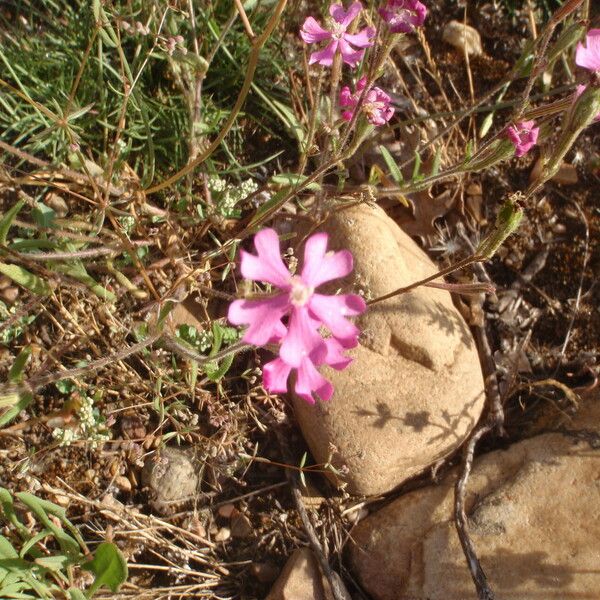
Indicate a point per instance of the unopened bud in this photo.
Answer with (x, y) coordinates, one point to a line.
(570, 36)
(507, 222)
(583, 112)
(500, 150)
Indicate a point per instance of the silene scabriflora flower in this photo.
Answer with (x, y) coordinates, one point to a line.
(376, 103)
(303, 347)
(338, 38)
(588, 56)
(523, 135)
(403, 16)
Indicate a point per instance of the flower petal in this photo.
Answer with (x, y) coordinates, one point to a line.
(263, 318)
(349, 55)
(267, 266)
(588, 56)
(324, 57)
(275, 376)
(320, 266)
(302, 339)
(312, 31)
(362, 39)
(309, 380)
(335, 357)
(343, 17)
(332, 312)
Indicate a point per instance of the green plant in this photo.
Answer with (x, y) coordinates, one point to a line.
(43, 563)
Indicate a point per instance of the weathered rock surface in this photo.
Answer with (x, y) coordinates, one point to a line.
(171, 478)
(534, 515)
(415, 389)
(301, 579)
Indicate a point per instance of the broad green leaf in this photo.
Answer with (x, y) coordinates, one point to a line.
(6, 550)
(7, 220)
(43, 215)
(109, 567)
(23, 277)
(391, 165)
(53, 563)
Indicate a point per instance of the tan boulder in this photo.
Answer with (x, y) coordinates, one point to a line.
(534, 516)
(415, 388)
(302, 579)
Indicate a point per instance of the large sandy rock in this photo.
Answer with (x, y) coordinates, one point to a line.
(415, 389)
(534, 515)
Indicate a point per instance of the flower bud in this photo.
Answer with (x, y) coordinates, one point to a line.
(583, 113)
(498, 151)
(507, 222)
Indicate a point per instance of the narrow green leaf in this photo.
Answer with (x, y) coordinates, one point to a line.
(76, 270)
(8, 218)
(75, 594)
(109, 567)
(416, 174)
(23, 277)
(391, 165)
(18, 401)
(40, 509)
(291, 179)
(15, 375)
(437, 159)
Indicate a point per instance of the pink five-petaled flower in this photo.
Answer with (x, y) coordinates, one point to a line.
(302, 345)
(346, 43)
(588, 56)
(403, 16)
(376, 103)
(523, 135)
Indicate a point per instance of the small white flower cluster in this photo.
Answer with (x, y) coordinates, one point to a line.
(227, 195)
(205, 340)
(90, 427)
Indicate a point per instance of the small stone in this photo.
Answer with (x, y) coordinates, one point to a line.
(62, 500)
(10, 294)
(226, 510)
(464, 37)
(265, 572)
(123, 483)
(241, 527)
(301, 579)
(171, 478)
(57, 204)
(223, 534)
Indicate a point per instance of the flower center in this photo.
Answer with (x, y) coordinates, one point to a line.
(338, 31)
(403, 15)
(300, 293)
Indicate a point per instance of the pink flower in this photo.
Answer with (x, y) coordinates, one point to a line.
(303, 348)
(523, 135)
(588, 56)
(578, 91)
(376, 103)
(403, 16)
(346, 43)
